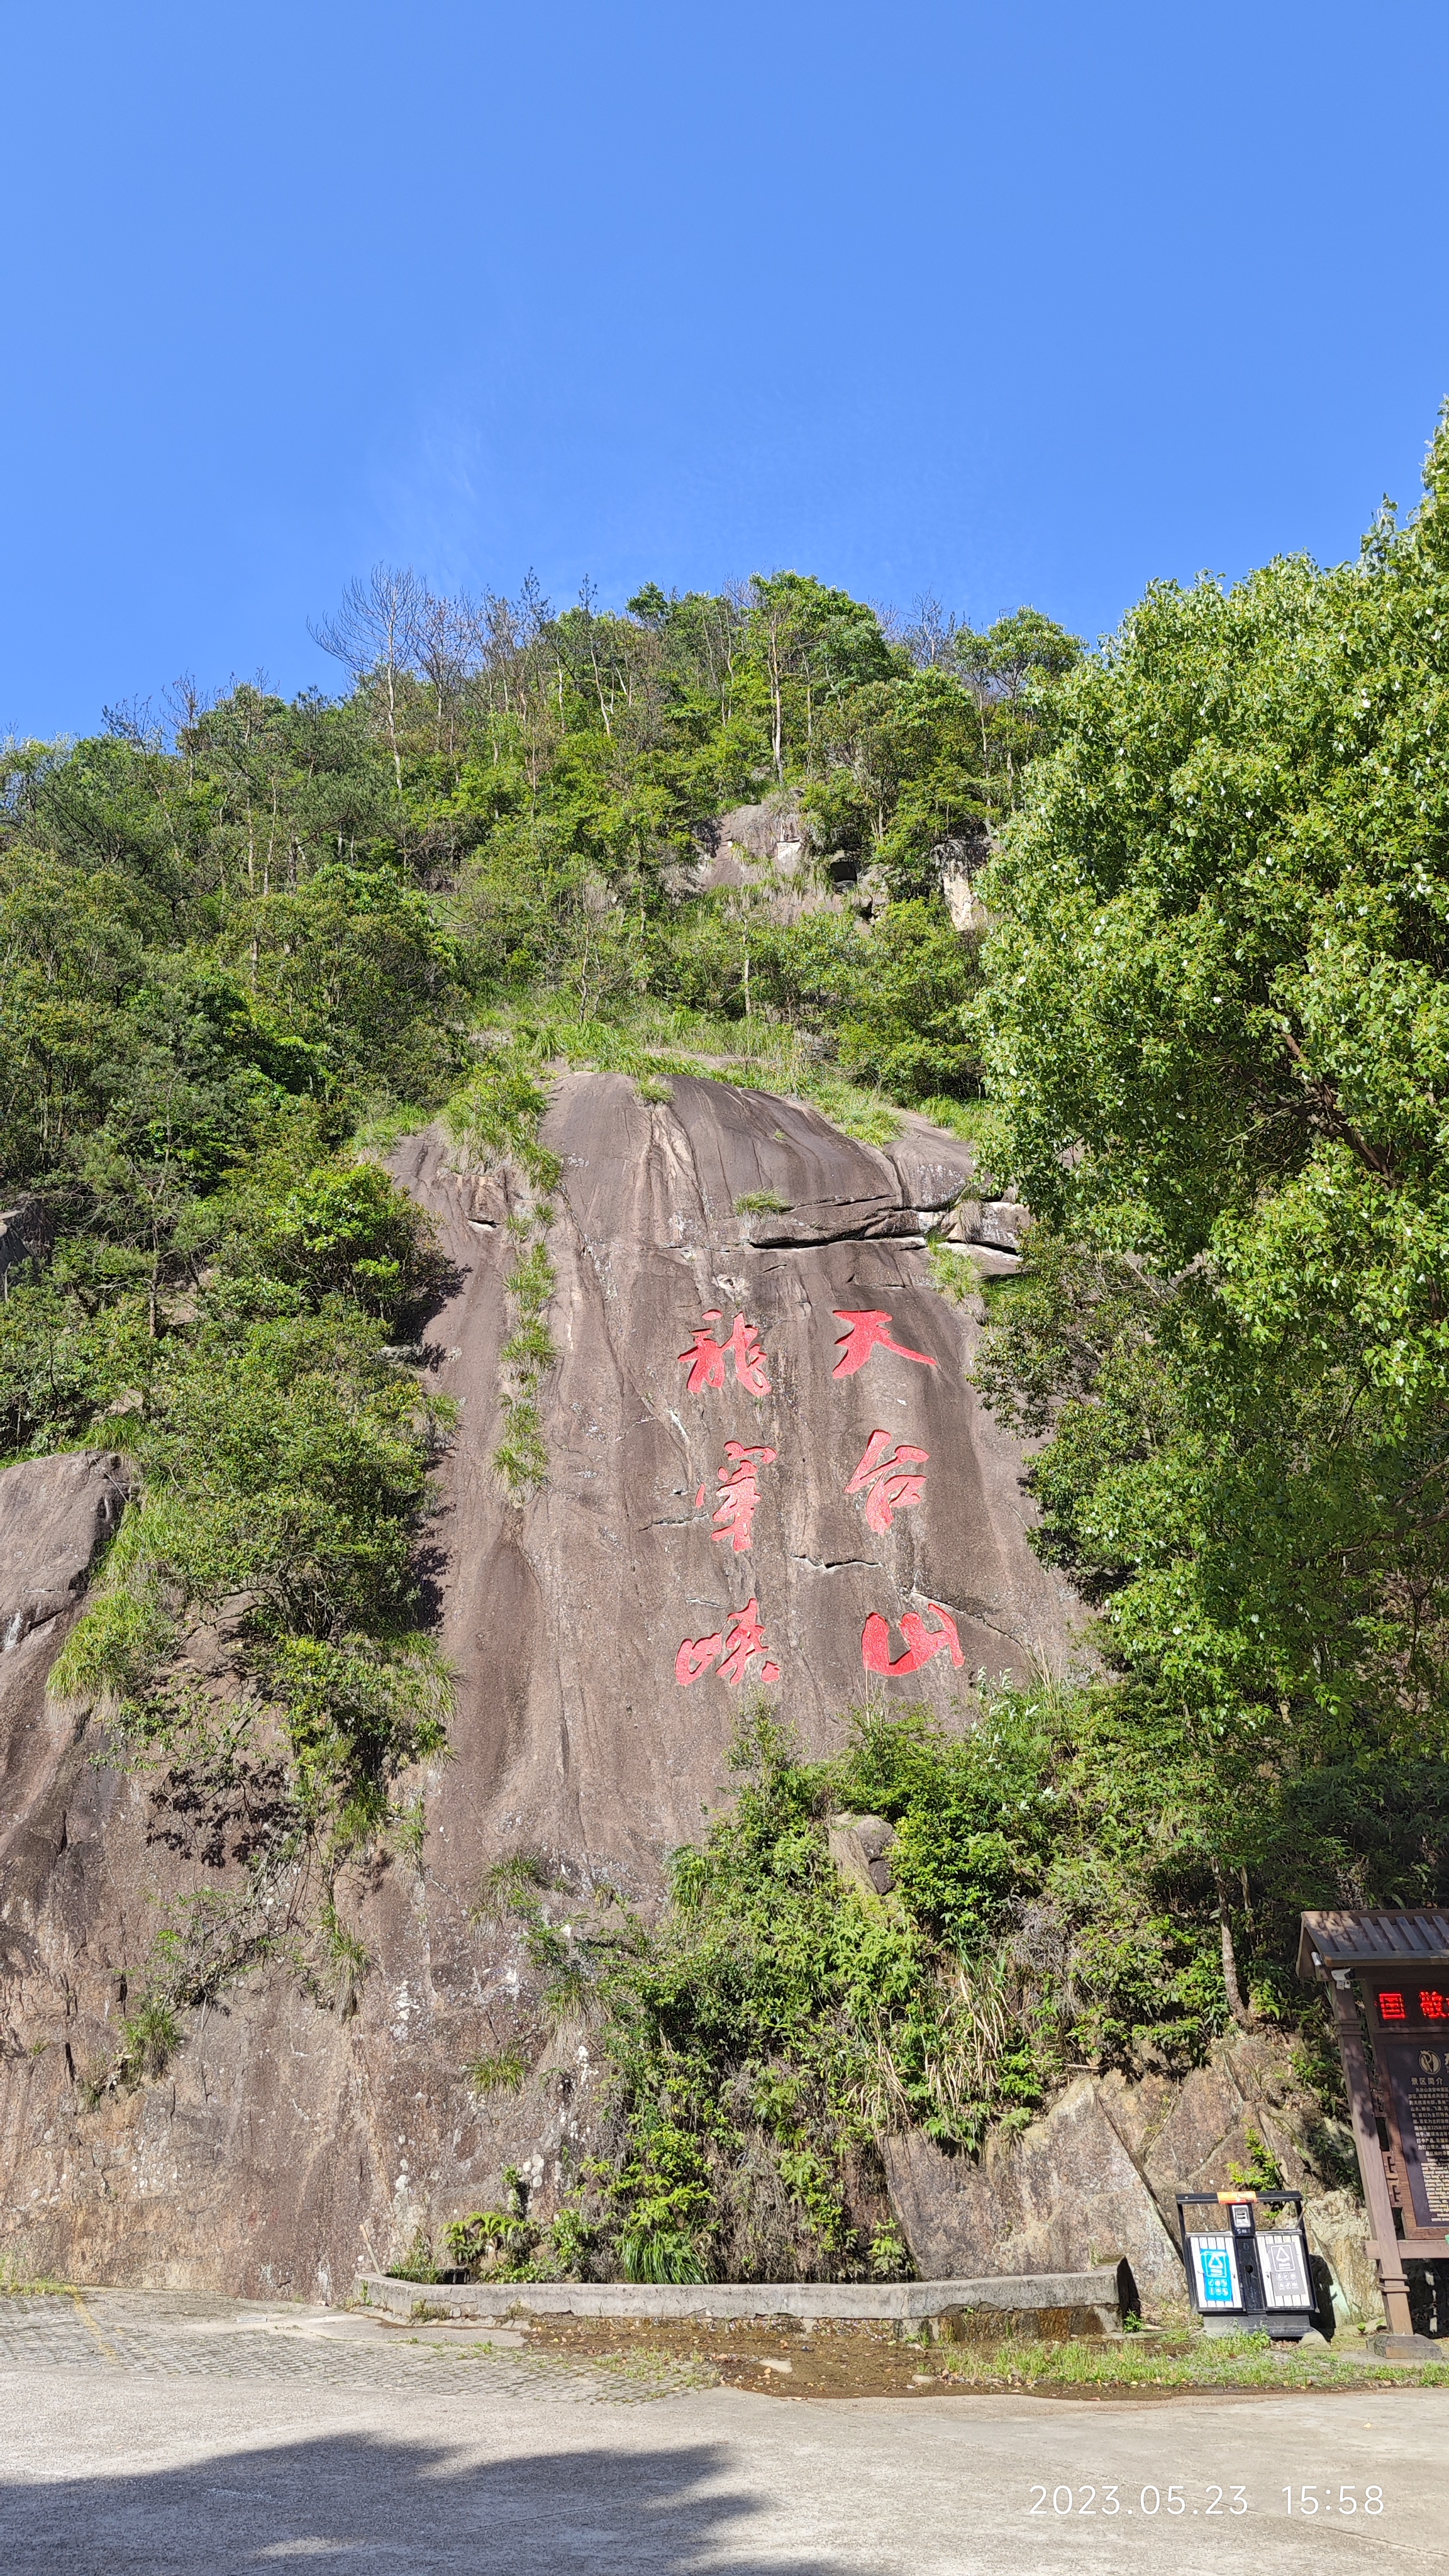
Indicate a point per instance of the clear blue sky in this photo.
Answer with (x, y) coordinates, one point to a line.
(1013, 303)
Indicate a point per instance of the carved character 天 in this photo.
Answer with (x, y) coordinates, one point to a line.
(743, 1639)
(921, 1642)
(707, 1357)
(866, 1332)
(739, 1497)
(890, 1484)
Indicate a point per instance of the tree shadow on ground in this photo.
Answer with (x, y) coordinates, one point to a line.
(362, 2500)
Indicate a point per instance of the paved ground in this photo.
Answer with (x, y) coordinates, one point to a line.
(176, 2436)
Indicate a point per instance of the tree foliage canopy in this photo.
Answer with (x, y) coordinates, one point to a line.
(1215, 1024)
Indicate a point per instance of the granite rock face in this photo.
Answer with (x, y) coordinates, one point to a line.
(1186, 2135)
(861, 1847)
(1097, 2177)
(566, 1619)
(55, 1516)
(1060, 2197)
(1337, 2228)
(286, 2146)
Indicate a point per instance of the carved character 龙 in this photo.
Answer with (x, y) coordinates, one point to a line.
(707, 1357)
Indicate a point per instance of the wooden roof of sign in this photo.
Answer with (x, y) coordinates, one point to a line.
(1388, 1939)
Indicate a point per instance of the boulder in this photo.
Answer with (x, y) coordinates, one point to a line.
(960, 860)
(1000, 1224)
(1059, 2196)
(860, 1847)
(25, 1234)
(1098, 2175)
(765, 848)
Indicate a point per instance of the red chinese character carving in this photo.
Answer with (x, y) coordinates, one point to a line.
(744, 1638)
(735, 1509)
(890, 1484)
(695, 1657)
(707, 1356)
(1432, 2005)
(1391, 2008)
(921, 1642)
(865, 1333)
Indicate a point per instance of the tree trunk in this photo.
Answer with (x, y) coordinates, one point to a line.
(1236, 2006)
(392, 723)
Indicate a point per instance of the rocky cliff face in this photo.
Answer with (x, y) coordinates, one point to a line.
(760, 1433)
(1097, 2177)
(766, 1471)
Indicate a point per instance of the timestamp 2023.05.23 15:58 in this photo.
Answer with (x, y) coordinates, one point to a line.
(1298, 2500)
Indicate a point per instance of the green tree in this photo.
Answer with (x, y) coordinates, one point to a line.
(810, 645)
(1215, 1019)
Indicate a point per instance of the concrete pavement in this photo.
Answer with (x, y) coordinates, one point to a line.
(192, 2436)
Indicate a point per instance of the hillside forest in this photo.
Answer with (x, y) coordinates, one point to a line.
(1198, 1015)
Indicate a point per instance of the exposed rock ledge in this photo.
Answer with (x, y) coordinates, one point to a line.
(1096, 2178)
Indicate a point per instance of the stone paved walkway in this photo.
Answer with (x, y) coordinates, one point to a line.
(164, 2335)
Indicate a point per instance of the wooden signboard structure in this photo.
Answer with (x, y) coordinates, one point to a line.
(1387, 1976)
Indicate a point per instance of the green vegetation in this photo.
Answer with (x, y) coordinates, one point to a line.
(1199, 1020)
(216, 971)
(1216, 1026)
(779, 2022)
(506, 2071)
(1187, 2360)
(558, 775)
(1212, 1019)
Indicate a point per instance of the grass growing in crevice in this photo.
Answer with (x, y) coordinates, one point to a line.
(521, 1457)
(953, 1271)
(655, 1046)
(505, 2071)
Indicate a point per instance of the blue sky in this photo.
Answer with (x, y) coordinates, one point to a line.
(1028, 303)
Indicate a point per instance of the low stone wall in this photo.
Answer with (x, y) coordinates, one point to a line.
(1052, 2305)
